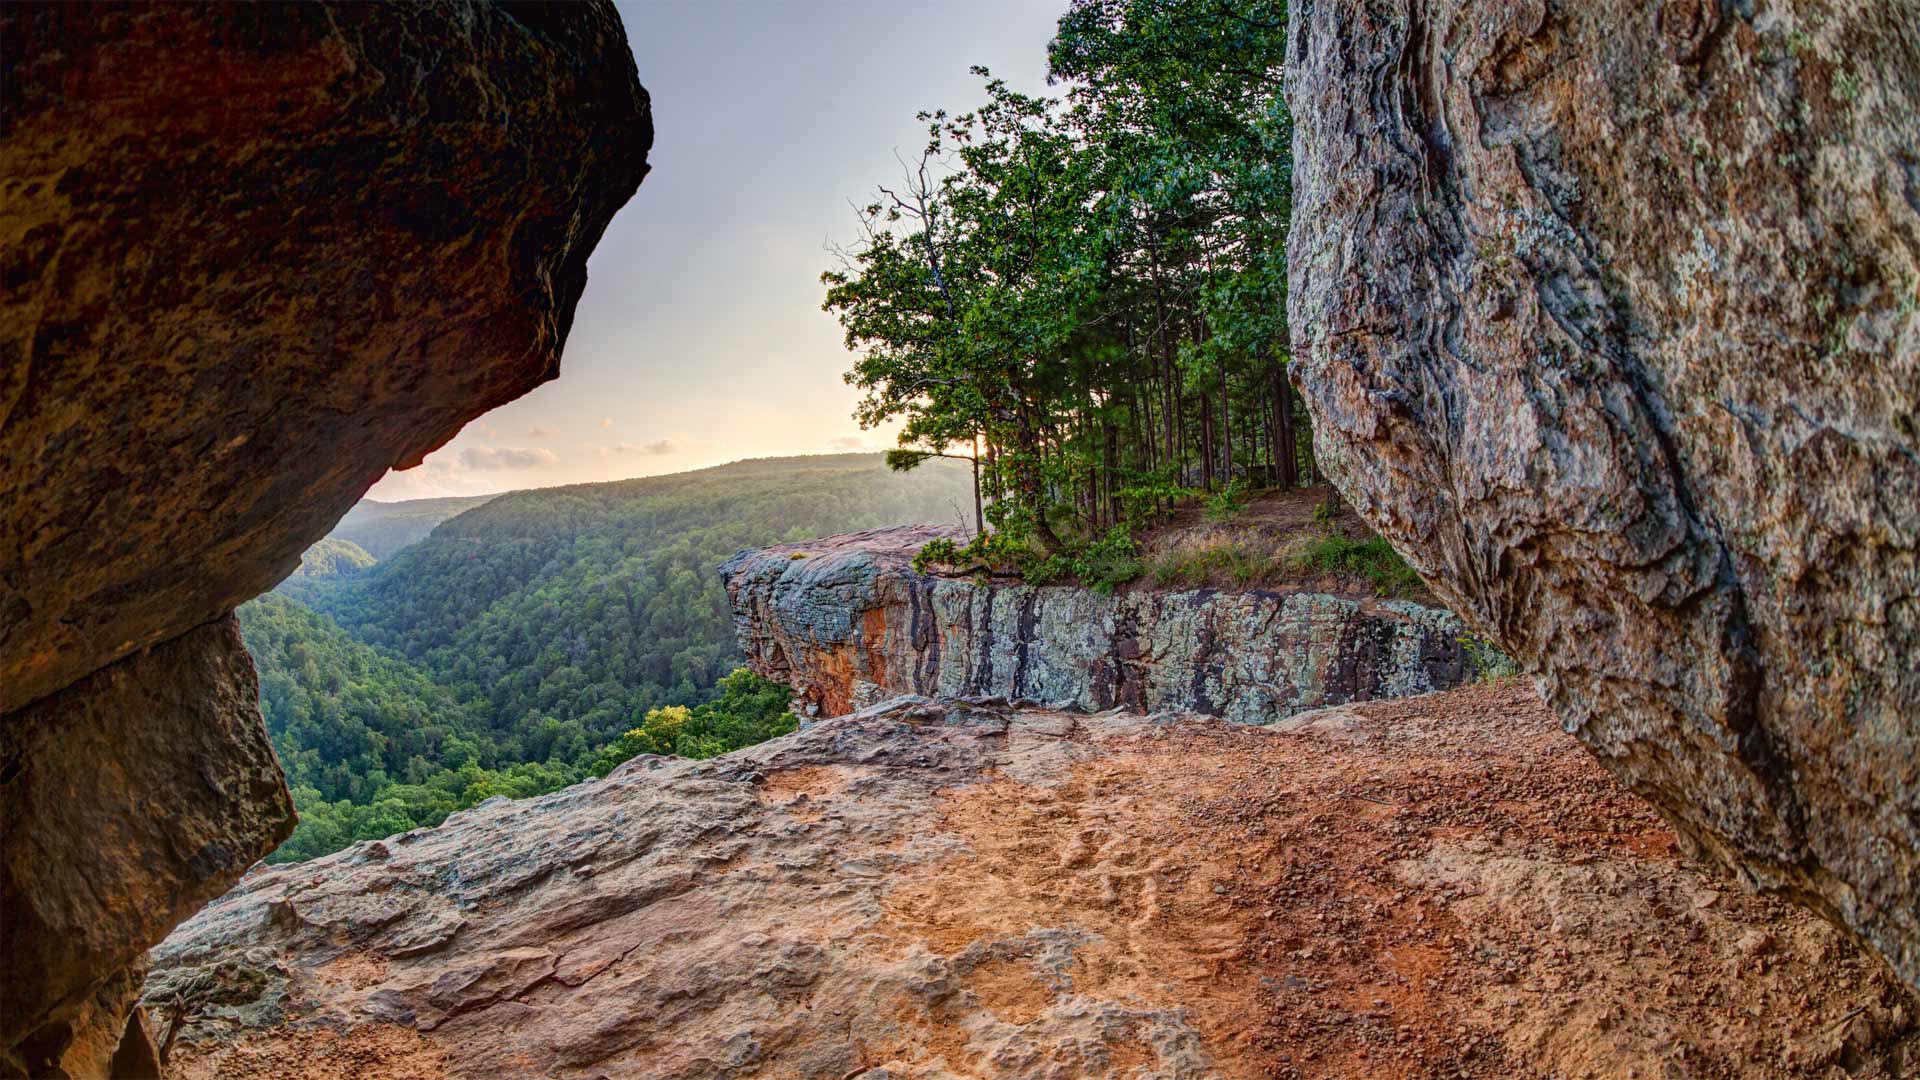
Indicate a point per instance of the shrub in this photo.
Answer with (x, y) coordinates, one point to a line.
(1112, 560)
(1489, 663)
(1372, 558)
(1226, 504)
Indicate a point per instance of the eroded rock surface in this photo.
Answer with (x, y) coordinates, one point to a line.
(848, 621)
(1606, 314)
(253, 256)
(130, 798)
(1441, 886)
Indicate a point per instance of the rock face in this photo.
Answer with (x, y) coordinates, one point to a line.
(297, 245)
(933, 892)
(132, 797)
(1606, 314)
(253, 257)
(847, 621)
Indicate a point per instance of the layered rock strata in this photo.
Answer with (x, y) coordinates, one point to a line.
(1608, 315)
(846, 620)
(254, 256)
(1434, 886)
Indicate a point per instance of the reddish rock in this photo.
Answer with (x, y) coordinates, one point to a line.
(129, 799)
(253, 256)
(1445, 884)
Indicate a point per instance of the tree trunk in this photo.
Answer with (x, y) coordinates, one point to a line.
(1206, 442)
(1284, 447)
(979, 515)
(1226, 429)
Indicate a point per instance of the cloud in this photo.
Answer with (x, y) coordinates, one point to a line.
(652, 449)
(488, 458)
(848, 442)
(538, 433)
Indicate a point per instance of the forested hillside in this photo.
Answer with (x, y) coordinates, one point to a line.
(384, 528)
(542, 637)
(333, 557)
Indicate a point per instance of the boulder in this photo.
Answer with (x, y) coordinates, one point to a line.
(1606, 316)
(848, 622)
(130, 799)
(254, 256)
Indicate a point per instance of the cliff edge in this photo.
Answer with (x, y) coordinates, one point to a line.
(1443, 885)
(848, 621)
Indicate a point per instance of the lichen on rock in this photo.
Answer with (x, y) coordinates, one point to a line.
(854, 623)
(1606, 316)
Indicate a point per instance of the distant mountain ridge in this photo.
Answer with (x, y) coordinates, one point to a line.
(383, 528)
(332, 557)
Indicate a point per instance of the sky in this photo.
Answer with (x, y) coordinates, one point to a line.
(700, 338)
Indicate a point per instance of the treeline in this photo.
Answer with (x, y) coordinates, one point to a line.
(542, 638)
(1086, 294)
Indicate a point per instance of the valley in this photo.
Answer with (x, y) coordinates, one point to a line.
(509, 649)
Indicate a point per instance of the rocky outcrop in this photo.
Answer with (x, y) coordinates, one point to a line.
(294, 246)
(1435, 886)
(1606, 315)
(848, 621)
(253, 258)
(130, 799)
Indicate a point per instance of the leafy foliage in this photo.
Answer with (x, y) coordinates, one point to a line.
(750, 710)
(1092, 288)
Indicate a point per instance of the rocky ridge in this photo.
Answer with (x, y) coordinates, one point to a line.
(254, 257)
(847, 621)
(1440, 886)
(1608, 315)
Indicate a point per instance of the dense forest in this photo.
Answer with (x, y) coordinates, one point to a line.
(542, 637)
(1086, 294)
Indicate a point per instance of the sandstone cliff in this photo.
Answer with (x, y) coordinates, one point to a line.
(848, 621)
(1439, 886)
(1606, 315)
(254, 257)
